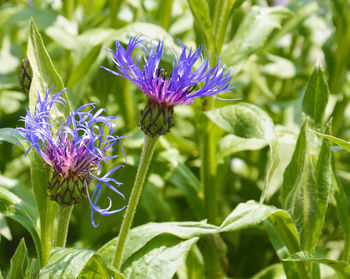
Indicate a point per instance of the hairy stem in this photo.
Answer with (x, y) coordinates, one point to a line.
(146, 156)
(64, 213)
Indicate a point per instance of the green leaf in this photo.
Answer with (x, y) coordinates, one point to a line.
(19, 210)
(248, 121)
(44, 76)
(76, 263)
(222, 12)
(44, 73)
(251, 213)
(340, 142)
(12, 136)
(231, 144)
(253, 32)
(341, 267)
(146, 242)
(282, 251)
(200, 12)
(139, 236)
(80, 71)
(305, 190)
(342, 212)
(316, 96)
(19, 262)
(160, 258)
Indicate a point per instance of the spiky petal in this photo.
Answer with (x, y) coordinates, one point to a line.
(74, 151)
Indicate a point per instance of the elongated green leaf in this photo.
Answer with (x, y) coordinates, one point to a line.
(139, 236)
(342, 211)
(19, 262)
(337, 141)
(45, 75)
(299, 189)
(11, 136)
(305, 190)
(77, 263)
(248, 121)
(341, 267)
(282, 251)
(80, 71)
(222, 11)
(324, 185)
(200, 11)
(316, 96)
(253, 32)
(13, 207)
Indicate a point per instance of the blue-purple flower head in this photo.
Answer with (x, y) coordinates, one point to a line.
(74, 150)
(143, 69)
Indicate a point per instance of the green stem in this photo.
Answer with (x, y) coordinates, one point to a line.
(164, 13)
(114, 6)
(64, 213)
(47, 231)
(68, 8)
(146, 156)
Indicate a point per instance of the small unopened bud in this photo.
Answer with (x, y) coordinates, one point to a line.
(67, 190)
(156, 119)
(25, 75)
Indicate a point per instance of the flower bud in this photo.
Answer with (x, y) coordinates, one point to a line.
(156, 119)
(67, 190)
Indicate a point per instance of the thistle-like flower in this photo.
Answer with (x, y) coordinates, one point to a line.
(74, 151)
(164, 92)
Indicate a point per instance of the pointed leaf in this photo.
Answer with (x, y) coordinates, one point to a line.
(316, 96)
(19, 262)
(11, 136)
(337, 141)
(305, 190)
(200, 11)
(44, 73)
(341, 267)
(76, 263)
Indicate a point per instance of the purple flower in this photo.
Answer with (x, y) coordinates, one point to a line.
(180, 87)
(74, 151)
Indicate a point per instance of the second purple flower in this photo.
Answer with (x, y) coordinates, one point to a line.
(163, 91)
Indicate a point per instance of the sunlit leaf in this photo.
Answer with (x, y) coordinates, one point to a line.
(77, 263)
(341, 267)
(248, 121)
(253, 32)
(316, 96)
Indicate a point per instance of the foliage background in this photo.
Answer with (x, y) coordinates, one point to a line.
(273, 48)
